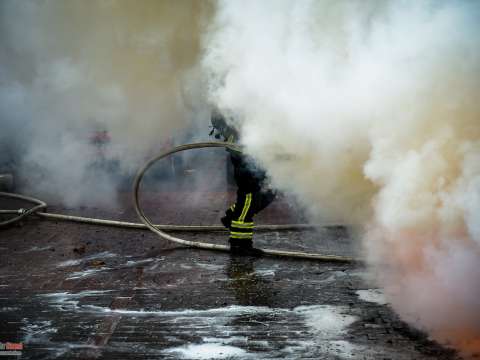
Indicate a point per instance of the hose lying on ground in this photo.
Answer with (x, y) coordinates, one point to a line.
(39, 210)
(209, 246)
(131, 225)
(21, 213)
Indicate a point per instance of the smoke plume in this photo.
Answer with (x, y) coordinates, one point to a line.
(70, 69)
(370, 113)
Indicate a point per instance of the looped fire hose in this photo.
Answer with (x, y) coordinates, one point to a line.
(203, 245)
(39, 210)
(21, 212)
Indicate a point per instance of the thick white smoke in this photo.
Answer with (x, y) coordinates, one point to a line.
(370, 112)
(69, 69)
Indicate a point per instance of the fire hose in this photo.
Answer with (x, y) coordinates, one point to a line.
(40, 207)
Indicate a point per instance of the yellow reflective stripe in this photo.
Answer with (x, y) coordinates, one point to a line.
(242, 225)
(232, 207)
(242, 222)
(231, 139)
(242, 229)
(248, 237)
(248, 201)
(235, 231)
(240, 233)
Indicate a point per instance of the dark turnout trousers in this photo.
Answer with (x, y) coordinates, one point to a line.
(251, 199)
(241, 215)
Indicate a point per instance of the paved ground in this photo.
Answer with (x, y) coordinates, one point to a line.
(72, 291)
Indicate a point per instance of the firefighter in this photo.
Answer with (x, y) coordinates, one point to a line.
(252, 194)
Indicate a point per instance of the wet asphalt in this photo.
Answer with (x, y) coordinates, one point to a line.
(73, 291)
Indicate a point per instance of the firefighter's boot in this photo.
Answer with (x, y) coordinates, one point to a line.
(243, 247)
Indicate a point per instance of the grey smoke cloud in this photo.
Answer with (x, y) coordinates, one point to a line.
(369, 112)
(70, 68)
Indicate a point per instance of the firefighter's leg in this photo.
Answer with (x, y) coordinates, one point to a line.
(263, 199)
(241, 229)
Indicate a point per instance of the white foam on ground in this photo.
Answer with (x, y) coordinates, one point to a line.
(233, 340)
(139, 262)
(63, 301)
(265, 272)
(36, 248)
(226, 311)
(76, 295)
(210, 267)
(326, 320)
(69, 263)
(8, 309)
(86, 273)
(344, 349)
(60, 349)
(69, 301)
(294, 347)
(37, 332)
(207, 351)
(156, 263)
(372, 295)
(330, 323)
